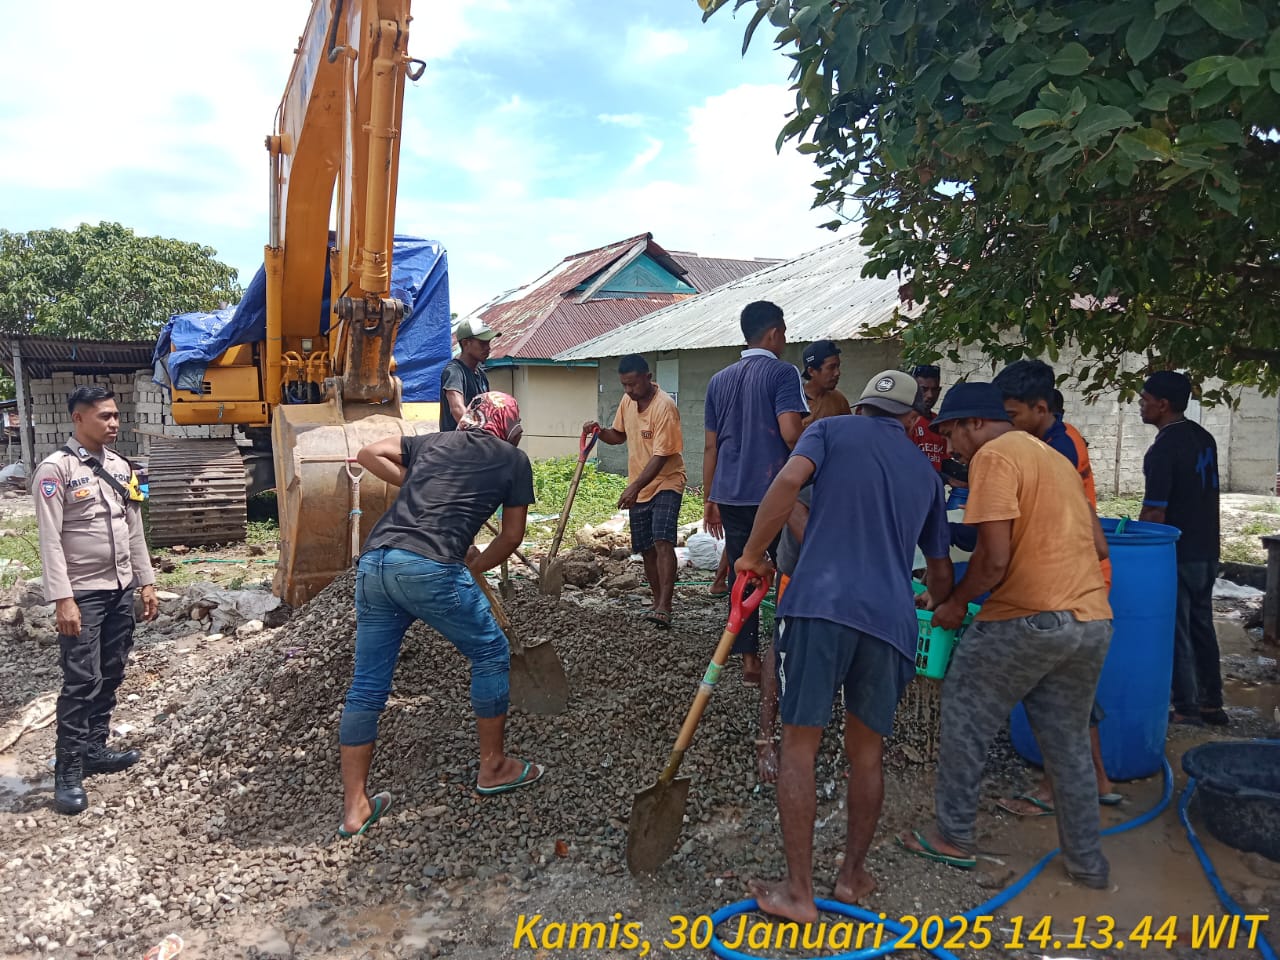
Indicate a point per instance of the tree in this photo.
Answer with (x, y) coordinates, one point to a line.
(1044, 173)
(105, 282)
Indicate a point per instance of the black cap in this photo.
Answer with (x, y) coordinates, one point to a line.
(1169, 385)
(972, 401)
(816, 353)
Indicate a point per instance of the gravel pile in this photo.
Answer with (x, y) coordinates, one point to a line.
(232, 814)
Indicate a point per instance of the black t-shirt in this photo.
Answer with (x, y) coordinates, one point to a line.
(456, 375)
(1182, 477)
(456, 481)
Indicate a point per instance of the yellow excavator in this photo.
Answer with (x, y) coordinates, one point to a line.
(308, 397)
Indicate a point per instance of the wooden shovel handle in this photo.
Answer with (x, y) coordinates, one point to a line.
(568, 508)
(743, 605)
(494, 603)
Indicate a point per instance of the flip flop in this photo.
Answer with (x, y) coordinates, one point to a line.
(1046, 809)
(926, 852)
(521, 781)
(381, 804)
(717, 594)
(1111, 799)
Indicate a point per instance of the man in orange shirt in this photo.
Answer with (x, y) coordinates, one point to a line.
(649, 423)
(1041, 638)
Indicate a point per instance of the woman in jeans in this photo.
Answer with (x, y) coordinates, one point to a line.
(420, 564)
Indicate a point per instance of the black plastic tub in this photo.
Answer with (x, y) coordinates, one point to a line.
(1238, 789)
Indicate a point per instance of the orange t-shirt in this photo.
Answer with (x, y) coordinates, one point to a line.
(653, 433)
(1053, 564)
(1085, 469)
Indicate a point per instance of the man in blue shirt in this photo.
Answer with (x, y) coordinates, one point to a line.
(752, 416)
(848, 618)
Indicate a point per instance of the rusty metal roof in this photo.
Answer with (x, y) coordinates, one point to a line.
(822, 293)
(547, 316)
(44, 356)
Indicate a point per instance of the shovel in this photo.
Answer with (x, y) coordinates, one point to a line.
(657, 813)
(551, 573)
(537, 678)
(519, 556)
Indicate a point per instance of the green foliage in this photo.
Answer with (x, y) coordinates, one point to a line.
(20, 545)
(1119, 507)
(105, 282)
(1055, 172)
(595, 501)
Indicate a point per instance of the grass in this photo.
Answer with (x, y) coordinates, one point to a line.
(1272, 508)
(1242, 551)
(22, 545)
(1119, 507)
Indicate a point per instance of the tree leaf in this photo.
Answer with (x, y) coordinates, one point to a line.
(967, 66)
(1229, 202)
(1144, 143)
(1098, 120)
(1223, 15)
(1245, 73)
(1144, 35)
(1165, 6)
(1073, 59)
(1039, 117)
(759, 15)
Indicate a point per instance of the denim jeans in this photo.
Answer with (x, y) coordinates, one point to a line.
(396, 587)
(1197, 675)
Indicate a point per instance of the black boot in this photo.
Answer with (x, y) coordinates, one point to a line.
(99, 759)
(68, 781)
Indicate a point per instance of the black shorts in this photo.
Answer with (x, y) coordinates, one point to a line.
(655, 520)
(815, 658)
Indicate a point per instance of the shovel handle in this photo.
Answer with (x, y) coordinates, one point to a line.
(568, 503)
(585, 445)
(494, 604)
(519, 556)
(743, 606)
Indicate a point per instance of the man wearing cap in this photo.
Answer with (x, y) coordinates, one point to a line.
(420, 564)
(463, 378)
(821, 374)
(751, 418)
(1040, 638)
(848, 618)
(929, 377)
(1181, 470)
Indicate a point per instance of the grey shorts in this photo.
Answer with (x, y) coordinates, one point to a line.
(816, 658)
(654, 520)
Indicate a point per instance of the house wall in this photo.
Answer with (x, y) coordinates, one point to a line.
(859, 362)
(1248, 437)
(554, 403)
(144, 413)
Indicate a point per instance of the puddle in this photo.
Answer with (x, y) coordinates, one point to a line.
(12, 783)
(1261, 697)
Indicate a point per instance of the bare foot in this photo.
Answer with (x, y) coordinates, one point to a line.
(751, 669)
(776, 899)
(508, 771)
(354, 819)
(856, 888)
(767, 762)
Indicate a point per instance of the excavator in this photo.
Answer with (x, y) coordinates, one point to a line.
(311, 393)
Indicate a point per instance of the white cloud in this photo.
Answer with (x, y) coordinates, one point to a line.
(645, 157)
(622, 119)
(645, 45)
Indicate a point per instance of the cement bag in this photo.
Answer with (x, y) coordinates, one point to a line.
(704, 551)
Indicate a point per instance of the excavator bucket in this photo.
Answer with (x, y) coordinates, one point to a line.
(312, 443)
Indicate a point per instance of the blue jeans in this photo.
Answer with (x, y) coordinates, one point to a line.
(1197, 675)
(395, 588)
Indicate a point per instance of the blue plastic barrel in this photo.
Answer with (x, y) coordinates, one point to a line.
(1134, 688)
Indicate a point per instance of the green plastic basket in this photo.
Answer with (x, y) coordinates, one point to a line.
(933, 644)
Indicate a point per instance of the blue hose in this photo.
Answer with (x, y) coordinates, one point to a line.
(1224, 898)
(999, 900)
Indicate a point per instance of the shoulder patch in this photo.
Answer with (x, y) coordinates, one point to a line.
(49, 487)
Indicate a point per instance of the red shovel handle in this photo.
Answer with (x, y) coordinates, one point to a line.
(585, 445)
(744, 604)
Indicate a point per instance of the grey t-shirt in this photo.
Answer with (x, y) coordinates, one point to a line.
(456, 375)
(788, 546)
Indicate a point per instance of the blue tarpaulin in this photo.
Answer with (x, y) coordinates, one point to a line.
(419, 277)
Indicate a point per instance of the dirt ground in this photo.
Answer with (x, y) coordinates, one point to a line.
(224, 834)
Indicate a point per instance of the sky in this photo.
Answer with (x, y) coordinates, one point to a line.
(541, 128)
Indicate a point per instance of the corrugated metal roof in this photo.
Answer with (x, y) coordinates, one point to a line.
(44, 356)
(822, 293)
(544, 317)
(707, 273)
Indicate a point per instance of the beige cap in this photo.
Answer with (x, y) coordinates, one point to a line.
(891, 391)
(474, 330)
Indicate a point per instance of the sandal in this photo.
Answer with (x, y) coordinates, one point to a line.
(926, 852)
(661, 617)
(1043, 809)
(717, 594)
(381, 803)
(523, 780)
(1111, 799)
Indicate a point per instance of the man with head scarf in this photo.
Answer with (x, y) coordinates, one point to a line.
(1181, 469)
(420, 564)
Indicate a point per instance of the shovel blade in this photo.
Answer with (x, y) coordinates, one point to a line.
(657, 818)
(538, 682)
(551, 578)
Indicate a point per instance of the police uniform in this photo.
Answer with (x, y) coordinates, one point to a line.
(93, 549)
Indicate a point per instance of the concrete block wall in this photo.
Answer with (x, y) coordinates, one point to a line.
(1248, 437)
(144, 412)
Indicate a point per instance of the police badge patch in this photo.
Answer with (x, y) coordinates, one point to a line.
(48, 487)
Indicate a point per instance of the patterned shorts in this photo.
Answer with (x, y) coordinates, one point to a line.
(655, 520)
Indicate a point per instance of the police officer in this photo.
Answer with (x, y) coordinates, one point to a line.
(94, 553)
